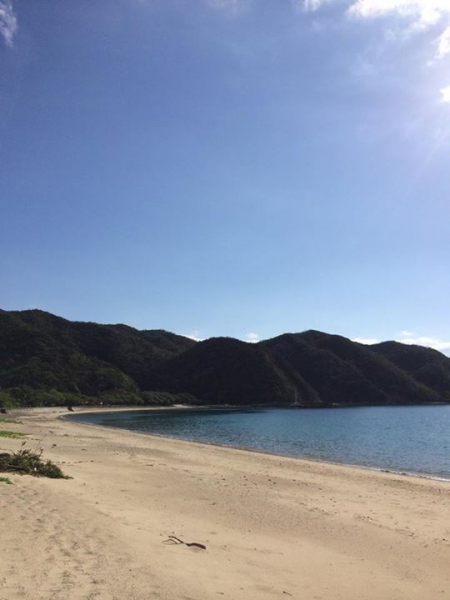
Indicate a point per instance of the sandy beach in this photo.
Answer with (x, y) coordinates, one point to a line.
(272, 527)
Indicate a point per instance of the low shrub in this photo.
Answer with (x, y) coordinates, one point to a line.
(27, 462)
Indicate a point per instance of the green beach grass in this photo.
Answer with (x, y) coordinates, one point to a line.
(11, 434)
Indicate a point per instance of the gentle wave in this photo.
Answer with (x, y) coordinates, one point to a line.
(406, 439)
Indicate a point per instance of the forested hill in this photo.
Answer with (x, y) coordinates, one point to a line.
(47, 360)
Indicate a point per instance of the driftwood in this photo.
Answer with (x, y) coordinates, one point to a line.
(175, 540)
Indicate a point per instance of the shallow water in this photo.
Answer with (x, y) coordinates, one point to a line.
(414, 439)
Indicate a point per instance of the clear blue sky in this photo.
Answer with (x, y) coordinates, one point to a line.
(228, 167)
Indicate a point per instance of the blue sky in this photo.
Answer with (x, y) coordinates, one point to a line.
(228, 167)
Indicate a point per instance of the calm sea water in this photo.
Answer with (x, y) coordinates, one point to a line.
(415, 439)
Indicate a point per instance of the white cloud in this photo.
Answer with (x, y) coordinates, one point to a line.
(428, 342)
(367, 341)
(411, 338)
(8, 22)
(418, 14)
(252, 338)
(195, 335)
(423, 12)
(314, 4)
(445, 94)
(443, 44)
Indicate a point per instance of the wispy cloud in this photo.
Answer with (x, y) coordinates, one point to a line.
(231, 7)
(423, 13)
(410, 338)
(195, 335)
(406, 333)
(368, 341)
(443, 44)
(314, 4)
(8, 22)
(252, 338)
(418, 15)
(445, 94)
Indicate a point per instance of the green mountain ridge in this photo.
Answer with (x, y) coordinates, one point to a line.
(48, 360)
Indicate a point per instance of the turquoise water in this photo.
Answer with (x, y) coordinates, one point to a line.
(414, 439)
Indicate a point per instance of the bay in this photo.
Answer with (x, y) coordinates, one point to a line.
(412, 439)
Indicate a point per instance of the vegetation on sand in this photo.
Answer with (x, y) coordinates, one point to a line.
(28, 462)
(11, 434)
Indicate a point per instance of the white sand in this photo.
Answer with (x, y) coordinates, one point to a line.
(273, 527)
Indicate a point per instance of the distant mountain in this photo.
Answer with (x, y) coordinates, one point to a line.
(47, 360)
(427, 366)
(344, 372)
(226, 371)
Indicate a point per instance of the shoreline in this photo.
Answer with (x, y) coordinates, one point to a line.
(403, 473)
(273, 526)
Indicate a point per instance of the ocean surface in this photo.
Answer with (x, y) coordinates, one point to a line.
(412, 439)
